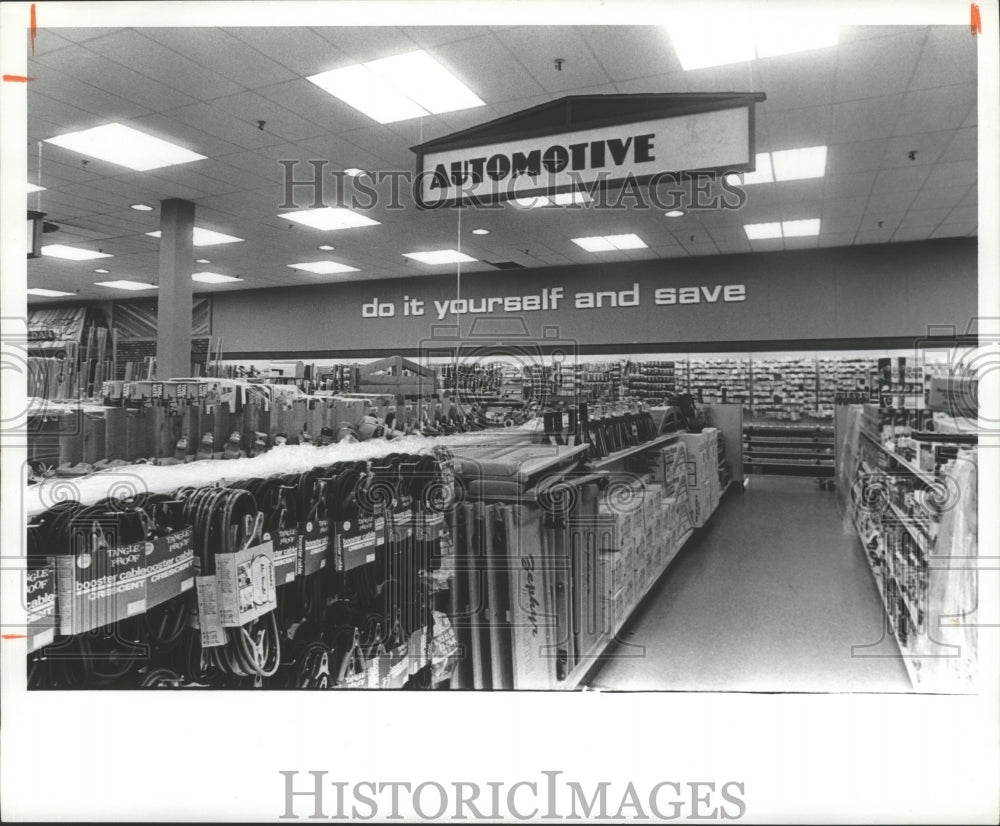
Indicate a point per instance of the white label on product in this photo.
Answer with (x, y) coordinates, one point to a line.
(212, 633)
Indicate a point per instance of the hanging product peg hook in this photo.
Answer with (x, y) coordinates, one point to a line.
(559, 63)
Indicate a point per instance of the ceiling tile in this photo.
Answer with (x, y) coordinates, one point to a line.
(836, 239)
(223, 54)
(843, 207)
(963, 215)
(627, 52)
(848, 186)
(949, 57)
(923, 218)
(80, 35)
(466, 60)
(911, 234)
(866, 72)
(798, 80)
(61, 86)
(802, 243)
(92, 68)
(431, 36)
(131, 48)
(675, 82)
(934, 110)
(299, 49)
(928, 147)
(955, 173)
(50, 42)
(364, 43)
(901, 179)
(889, 220)
(844, 158)
(861, 120)
(840, 224)
(536, 48)
(793, 128)
(953, 230)
(312, 104)
(891, 201)
(963, 146)
(251, 107)
(219, 123)
(930, 197)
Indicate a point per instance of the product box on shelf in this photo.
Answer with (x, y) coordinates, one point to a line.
(40, 599)
(355, 541)
(286, 555)
(699, 503)
(314, 543)
(108, 584)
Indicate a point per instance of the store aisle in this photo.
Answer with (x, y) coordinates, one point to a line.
(772, 596)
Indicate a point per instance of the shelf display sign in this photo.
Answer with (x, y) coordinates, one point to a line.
(588, 142)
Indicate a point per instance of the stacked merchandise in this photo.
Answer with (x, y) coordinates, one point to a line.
(720, 380)
(853, 379)
(913, 517)
(472, 379)
(332, 577)
(337, 378)
(599, 381)
(785, 389)
(655, 380)
(703, 484)
(641, 531)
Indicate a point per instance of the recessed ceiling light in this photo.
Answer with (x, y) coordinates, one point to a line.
(124, 146)
(353, 170)
(102, 270)
(323, 267)
(141, 207)
(604, 243)
(439, 257)
(206, 237)
(795, 229)
(40, 291)
(72, 253)
(213, 277)
(531, 201)
(329, 218)
(480, 232)
(33, 188)
(126, 285)
(324, 247)
(699, 45)
(202, 261)
(795, 164)
(758, 232)
(674, 213)
(397, 88)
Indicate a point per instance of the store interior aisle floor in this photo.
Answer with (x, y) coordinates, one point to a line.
(771, 595)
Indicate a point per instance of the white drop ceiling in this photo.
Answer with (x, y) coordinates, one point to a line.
(881, 93)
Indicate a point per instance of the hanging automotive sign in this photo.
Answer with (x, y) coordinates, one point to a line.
(588, 143)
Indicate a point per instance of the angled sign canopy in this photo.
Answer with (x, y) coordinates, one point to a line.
(584, 142)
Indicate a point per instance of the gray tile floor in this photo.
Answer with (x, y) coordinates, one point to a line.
(771, 595)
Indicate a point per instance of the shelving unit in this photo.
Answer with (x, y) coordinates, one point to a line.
(787, 450)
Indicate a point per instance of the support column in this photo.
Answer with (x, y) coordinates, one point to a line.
(173, 316)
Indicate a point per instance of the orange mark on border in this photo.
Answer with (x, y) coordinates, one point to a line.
(14, 636)
(34, 29)
(16, 79)
(975, 22)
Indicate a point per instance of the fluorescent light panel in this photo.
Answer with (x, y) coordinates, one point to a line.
(41, 291)
(125, 285)
(439, 257)
(323, 267)
(797, 229)
(604, 243)
(796, 164)
(33, 188)
(72, 253)
(398, 88)
(124, 146)
(329, 218)
(206, 237)
(213, 277)
(784, 229)
(701, 44)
